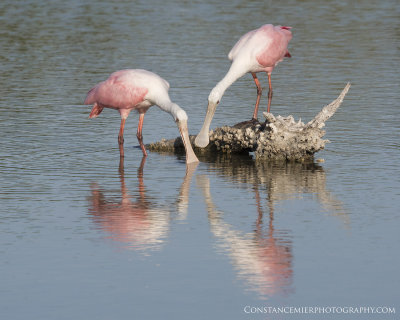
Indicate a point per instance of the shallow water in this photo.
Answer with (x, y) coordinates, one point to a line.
(82, 238)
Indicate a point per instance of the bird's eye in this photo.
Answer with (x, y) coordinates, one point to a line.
(217, 101)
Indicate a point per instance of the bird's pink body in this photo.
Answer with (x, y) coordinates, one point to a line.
(136, 89)
(124, 90)
(263, 48)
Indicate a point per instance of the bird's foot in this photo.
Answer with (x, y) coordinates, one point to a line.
(246, 124)
(144, 152)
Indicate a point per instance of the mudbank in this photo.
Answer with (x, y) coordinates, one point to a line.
(275, 138)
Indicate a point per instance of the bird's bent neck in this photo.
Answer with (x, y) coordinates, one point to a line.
(176, 111)
(234, 73)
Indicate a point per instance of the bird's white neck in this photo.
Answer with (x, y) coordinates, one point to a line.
(235, 72)
(176, 111)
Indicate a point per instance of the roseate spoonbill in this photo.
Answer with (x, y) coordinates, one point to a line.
(258, 50)
(138, 89)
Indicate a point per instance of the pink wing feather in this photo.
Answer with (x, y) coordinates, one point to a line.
(276, 39)
(116, 93)
(276, 48)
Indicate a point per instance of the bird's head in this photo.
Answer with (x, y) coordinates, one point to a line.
(180, 116)
(215, 96)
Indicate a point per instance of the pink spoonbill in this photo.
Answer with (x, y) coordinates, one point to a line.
(256, 51)
(136, 89)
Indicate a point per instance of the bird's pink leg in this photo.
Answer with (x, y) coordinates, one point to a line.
(142, 189)
(259, 92)
(269, 92)
(121, 132)
(139, 134)
(121, 152)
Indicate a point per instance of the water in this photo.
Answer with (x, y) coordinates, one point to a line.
(80, 238)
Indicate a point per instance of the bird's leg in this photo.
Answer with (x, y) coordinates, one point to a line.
(121, 143)
(139, 134)
(259, 92)
(142, 189)
(121, 152)
(121, 132)
(121, 159)
(269, 92)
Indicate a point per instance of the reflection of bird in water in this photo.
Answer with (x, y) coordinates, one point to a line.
(280, 181)
(262, 259)
(138, 222)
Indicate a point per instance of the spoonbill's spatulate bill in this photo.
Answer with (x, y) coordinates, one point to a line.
(136, 89)
(258, 50)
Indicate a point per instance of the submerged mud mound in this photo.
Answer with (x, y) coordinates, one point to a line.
(276, 138)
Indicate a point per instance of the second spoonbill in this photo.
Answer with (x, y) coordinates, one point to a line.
(256, 51)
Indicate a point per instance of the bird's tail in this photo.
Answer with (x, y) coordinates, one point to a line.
(96, 110)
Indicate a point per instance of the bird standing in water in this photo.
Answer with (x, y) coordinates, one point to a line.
(136, 89)
(256, 51)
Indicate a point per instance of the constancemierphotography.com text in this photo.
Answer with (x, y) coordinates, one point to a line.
(319, 310)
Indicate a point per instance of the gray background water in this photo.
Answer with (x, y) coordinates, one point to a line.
(81, 240)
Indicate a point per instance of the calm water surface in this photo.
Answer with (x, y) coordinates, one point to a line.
(82, 238)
